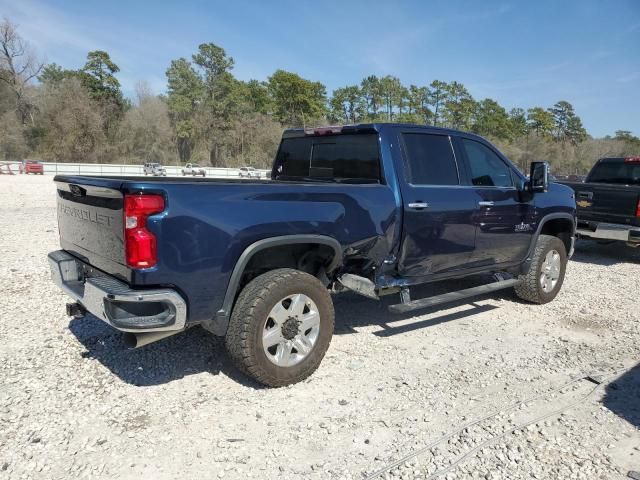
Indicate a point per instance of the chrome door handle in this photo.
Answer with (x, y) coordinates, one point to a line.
(485, 204)
(418, 205)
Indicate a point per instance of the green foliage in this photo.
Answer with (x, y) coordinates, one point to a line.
(459, 107)
(518, 120)
(185, 88)
(372, 93)
(53, 74)
(257, 97)
(391, 94)
(491, 119)
(540, 121)
(98, 77)
(419, 104)
(437, 96)
(347, 105)
(297, 101)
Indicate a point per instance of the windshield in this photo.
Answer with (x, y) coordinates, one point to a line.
(626, 173)
(351, 158)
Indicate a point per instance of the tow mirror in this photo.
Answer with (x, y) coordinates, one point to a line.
(539, 177)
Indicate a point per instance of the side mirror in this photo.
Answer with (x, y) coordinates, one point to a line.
(539, 177)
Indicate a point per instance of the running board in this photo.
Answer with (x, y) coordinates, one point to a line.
(452, 296)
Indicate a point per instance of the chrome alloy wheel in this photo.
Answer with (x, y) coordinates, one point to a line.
(550, 271)
(291, 330)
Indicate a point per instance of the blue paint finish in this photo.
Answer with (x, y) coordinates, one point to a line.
(208, 224)
(204, 230)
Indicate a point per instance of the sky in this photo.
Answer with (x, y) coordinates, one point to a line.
(520, 53)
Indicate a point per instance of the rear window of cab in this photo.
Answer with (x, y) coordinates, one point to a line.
(353, 158)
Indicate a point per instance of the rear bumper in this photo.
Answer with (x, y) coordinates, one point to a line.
(114, 302)
(609, 231)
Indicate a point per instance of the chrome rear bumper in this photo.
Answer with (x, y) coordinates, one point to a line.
(114, 302)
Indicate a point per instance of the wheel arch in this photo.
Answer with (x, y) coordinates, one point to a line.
(295, 243)
(561, 225)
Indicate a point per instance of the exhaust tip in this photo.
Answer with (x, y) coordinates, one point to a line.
(130, 340)
(137, 340)
(75, 310)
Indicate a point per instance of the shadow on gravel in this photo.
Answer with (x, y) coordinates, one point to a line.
(191, 352)
(622, 397)
(608, 254)
(353, 311)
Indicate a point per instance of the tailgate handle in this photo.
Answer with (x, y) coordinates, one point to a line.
(587, 195)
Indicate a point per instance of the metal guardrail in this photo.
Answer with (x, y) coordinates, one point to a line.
(54, 168)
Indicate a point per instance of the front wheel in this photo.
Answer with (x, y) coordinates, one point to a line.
(281, 327)
(546, 273)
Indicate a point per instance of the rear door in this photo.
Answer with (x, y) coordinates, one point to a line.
(438, 231)
(504, 225)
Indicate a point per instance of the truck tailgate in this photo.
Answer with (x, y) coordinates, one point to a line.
(90, 222)
(601, 202)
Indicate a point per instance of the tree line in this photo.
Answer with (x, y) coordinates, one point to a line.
(209, 116)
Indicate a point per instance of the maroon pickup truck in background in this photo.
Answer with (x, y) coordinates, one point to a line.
(31, 166)
(608, 201)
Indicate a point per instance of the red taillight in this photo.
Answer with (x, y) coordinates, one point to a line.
(140, 244)
(632, 160)
(638, 209)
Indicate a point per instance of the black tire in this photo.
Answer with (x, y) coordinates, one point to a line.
(530, 287)
(250, 314)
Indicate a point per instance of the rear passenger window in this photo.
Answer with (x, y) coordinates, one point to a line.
(430, 159)
(487, 169)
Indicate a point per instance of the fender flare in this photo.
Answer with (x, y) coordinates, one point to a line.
(543, 221)
(219, 324)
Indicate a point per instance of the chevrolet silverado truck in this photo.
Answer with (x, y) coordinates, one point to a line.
(376, 209)
(608, 202)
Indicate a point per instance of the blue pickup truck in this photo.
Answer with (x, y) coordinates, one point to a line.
(375, 209)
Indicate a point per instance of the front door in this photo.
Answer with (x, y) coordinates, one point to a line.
(438, 232)
(504, 223)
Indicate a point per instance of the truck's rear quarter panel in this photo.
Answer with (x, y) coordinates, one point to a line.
(208, 224)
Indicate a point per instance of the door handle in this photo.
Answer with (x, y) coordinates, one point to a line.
(418, 205)
(485, 204)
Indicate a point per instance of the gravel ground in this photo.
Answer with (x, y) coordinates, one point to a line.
(75, 403)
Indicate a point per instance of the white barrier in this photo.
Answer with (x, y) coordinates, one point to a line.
(55, 168)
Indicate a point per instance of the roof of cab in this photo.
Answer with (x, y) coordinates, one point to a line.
(368, 128)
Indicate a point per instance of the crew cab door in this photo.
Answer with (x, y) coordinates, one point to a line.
(438, 233)
(504, 224)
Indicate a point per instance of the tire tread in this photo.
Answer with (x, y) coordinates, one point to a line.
(529, 288)
(239, 332)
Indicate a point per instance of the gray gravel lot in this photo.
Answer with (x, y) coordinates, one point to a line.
(75, 403)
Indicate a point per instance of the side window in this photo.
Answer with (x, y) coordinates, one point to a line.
(487, 169)
(430, 159)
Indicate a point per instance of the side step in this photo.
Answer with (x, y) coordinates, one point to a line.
(452, 296)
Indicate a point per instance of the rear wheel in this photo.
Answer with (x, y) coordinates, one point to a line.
(281, 327)
(546, 273)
